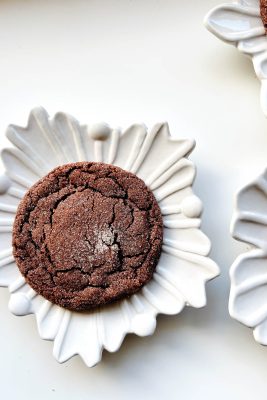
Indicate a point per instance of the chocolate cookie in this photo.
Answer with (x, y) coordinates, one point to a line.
(263, 8)
(87, 234)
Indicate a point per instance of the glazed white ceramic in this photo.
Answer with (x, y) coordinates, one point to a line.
(240, 24)
(248, 296)
(183, 268)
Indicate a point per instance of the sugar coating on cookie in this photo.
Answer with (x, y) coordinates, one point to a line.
(87, 234)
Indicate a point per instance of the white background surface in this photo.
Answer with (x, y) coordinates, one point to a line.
(125, 61)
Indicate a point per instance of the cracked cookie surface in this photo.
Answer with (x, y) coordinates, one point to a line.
(87, 234)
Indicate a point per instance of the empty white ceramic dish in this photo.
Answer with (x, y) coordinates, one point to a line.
(162, 163)
(248, 296)
(240, 24)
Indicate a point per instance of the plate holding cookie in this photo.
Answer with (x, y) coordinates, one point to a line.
(100, 231)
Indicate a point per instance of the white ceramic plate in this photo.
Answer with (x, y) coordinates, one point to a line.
(248, 296)
(240, 24)
(162, 163)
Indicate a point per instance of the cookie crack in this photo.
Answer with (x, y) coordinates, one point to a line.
(100, 250)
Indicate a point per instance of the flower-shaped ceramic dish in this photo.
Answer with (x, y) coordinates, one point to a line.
(248, 300)
(240, 24)
(162, 163)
